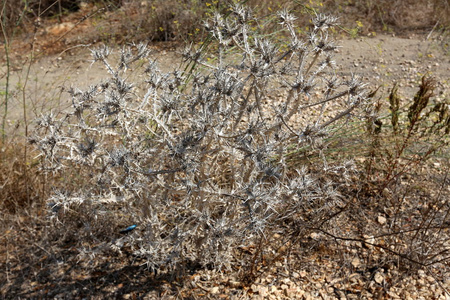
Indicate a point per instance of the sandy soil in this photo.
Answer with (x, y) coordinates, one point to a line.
(380, 61)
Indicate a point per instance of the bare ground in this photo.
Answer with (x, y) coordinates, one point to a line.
(380, 61)
(31, 270)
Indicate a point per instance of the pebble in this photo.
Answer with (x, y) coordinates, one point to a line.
(356, 262)
(381, 220)
(379, 277)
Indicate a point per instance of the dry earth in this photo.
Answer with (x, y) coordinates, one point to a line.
(379, 60)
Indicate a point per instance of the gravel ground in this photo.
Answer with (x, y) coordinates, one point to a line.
(379, 60)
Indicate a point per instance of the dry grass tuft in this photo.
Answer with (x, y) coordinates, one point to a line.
(22, 184)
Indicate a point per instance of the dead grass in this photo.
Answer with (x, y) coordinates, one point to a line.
(22, 183)
(177, 20)
(392, 16)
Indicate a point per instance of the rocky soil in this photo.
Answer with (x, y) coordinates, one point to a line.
(380, 60)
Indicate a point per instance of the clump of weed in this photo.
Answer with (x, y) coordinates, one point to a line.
(198, 161)
(22, 184)
(417, 131)
(403, 145)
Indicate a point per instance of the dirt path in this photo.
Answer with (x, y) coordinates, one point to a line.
(383, 60)
(380, 61)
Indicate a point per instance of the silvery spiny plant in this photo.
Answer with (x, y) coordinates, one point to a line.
(197, 157)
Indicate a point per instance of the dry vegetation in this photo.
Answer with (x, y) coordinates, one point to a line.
(232, 188)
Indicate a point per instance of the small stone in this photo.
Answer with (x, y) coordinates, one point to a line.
(430, 279)
(381, 220)
(379, 278)
(356, 262)
(263, 291)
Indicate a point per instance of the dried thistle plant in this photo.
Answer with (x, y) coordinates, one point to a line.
(198, 160)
